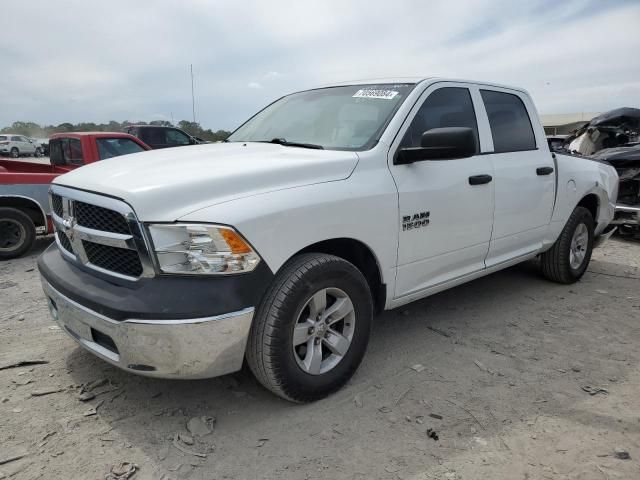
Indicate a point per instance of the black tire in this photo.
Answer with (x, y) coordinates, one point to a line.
(38, 153)
(15, 153)
(17, 233)
(556, 263)
(270, 349)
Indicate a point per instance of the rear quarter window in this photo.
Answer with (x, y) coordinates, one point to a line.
(509, 121)
(65, 151)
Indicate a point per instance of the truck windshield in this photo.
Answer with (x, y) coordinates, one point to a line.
(334, 118)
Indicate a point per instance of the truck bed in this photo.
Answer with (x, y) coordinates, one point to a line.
(15, 171)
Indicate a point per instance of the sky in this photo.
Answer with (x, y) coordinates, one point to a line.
(84, 60)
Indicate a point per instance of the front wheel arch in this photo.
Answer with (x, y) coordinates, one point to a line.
(27, 205)
(361, 256)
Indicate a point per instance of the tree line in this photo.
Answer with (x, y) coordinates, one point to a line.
(32, 129)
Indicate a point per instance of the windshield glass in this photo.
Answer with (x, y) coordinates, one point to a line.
(336, 118)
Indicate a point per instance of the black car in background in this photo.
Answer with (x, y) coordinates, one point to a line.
(162, 137)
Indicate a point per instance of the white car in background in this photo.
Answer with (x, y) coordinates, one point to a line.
(16, 146)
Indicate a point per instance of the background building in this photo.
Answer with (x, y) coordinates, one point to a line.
(565, 123)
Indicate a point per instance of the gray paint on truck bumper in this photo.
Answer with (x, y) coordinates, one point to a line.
(184, 348)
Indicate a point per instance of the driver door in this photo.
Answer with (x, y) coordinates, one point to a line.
(446, 215)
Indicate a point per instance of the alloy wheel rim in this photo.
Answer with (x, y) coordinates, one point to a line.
(11, 234)
(578, 249)
(323, 331)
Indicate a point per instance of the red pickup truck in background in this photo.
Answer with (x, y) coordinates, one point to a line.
(24, 186)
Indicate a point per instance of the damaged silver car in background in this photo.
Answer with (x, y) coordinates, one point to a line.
(614, 137)
(626, 160)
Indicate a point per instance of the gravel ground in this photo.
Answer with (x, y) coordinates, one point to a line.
(497, 368)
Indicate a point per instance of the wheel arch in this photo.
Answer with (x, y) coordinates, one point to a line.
(26, 205)
(361, 256)
(591, 202)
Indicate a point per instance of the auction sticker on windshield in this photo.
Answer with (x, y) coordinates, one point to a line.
(370, 93)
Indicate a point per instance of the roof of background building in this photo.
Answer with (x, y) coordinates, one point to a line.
(566, 118)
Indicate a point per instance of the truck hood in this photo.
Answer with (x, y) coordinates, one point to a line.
(164, 185)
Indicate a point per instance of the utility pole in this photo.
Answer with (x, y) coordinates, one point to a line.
(193, 98)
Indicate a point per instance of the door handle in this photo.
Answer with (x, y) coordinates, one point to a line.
(544, 170)
(480, 179)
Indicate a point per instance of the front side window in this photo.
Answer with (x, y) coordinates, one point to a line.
(510, 124)
(176, 137)
(336, 118)
(114, 147)
(445, 107)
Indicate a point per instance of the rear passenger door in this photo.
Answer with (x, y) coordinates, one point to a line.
(524, 175)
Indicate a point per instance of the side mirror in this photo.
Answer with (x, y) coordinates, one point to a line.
(441, 144)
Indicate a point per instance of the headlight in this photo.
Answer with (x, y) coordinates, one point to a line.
(201, 249)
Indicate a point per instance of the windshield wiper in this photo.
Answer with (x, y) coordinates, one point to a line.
(283, 141)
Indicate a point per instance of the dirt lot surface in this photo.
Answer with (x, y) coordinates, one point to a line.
(498, 368)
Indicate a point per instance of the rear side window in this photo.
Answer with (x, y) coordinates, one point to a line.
(153, 136)
(446, 107)
(15, 139)
(3, 138)
(510, 123)
(114, 147)
(65, 151)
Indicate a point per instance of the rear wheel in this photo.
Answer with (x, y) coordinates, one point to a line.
(312, 328)
(15, 153)
(569, 257)
(17, 233)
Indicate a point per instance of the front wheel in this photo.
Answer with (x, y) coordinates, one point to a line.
(569, 257)
(15, 153)
(38, 153)
(312, 328)
(17, 233)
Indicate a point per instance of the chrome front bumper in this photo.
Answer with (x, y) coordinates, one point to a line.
(186, 348)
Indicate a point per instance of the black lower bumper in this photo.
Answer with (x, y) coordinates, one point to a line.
(158, 298)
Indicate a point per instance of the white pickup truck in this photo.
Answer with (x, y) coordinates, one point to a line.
(279, 245)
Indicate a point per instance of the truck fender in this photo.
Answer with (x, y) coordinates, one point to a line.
(31, 207)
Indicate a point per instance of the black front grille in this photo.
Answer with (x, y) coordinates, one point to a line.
(56, 200)
(119, 260)
(64, 241)
(99, 218)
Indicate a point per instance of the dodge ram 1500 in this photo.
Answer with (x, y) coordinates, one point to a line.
(328, 205)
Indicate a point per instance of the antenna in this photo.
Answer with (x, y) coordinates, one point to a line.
(193, 98)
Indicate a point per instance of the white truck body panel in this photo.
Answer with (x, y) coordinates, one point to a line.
(284, 199)
(168, 183)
